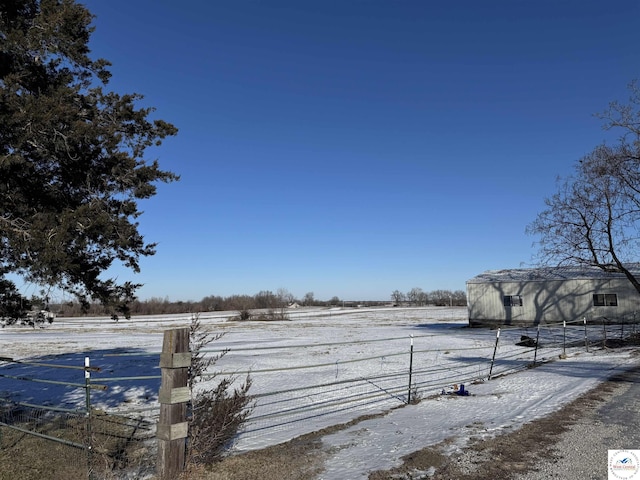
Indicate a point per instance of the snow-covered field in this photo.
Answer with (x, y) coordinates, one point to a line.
(334, 340)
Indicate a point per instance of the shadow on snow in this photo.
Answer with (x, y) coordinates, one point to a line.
(23, 381)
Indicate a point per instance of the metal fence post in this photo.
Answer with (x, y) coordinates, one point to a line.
(535, 353)
(89, 447)
(410, 371)
(586, 341)
(564, 338)
(493, 359)
(172, 428)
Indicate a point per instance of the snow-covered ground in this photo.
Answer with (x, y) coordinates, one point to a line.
(131, 348)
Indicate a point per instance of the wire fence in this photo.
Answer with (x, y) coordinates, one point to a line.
(94, 430)
(45, 440)
(326, 384)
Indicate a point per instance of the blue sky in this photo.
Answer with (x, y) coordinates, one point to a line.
(352, 148)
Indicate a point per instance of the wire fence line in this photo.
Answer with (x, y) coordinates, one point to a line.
(298, 387)
(40, 439)
(371, 376)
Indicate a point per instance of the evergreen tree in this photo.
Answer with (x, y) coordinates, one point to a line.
(72, 156)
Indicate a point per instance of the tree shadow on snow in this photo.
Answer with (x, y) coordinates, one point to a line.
(59, 380)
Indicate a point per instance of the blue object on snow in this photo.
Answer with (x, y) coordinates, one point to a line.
(456, 391)
(462, 391)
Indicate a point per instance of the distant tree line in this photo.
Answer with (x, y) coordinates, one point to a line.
(263, 300)
(417, 297)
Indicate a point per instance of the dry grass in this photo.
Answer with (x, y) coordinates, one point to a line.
(25, 457)
(116, 446)
(299, 459)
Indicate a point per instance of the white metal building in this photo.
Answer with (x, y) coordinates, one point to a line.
(551, 295)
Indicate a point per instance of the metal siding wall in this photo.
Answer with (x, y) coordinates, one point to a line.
(628, 302)
(485, 302)
(550, 302)
(558, 301)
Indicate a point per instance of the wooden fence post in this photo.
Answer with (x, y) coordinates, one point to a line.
(172, 428)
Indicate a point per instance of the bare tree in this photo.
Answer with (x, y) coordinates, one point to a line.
(459, 298)
(285, 297)
(594, 218)
(441, 298)
(397, 296)
(308, 299)
(416, 296)
(265, 299)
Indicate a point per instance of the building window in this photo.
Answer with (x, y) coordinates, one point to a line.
(605, 300)
(513, 300)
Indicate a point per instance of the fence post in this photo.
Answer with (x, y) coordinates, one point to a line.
(564, 338)
(493, 359)
(87, 387)
(586, 340)
(535, 353)
(172, 428)
(410, 371)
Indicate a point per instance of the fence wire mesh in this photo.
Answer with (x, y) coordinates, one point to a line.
(44, 442)
(30, 438)
(55, 442)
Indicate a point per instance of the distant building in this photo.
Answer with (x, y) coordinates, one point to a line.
(552, 295)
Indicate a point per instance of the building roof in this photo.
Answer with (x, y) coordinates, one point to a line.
(550, 274)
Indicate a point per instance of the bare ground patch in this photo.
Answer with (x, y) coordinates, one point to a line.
(301, 458)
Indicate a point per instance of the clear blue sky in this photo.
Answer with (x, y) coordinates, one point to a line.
(354, 147)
